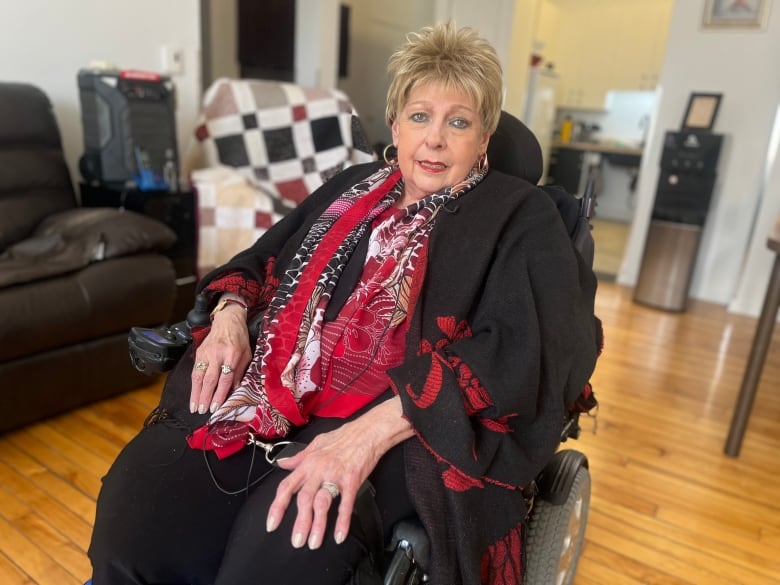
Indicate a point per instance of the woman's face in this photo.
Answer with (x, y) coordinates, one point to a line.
(439, 137)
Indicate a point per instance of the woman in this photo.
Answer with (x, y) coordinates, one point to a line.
(419, 321)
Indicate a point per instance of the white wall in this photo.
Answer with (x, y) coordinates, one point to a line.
(316, 42)
(743, 65)
(46, 42)
(759, 261)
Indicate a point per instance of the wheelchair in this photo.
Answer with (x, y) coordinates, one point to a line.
(559, 496)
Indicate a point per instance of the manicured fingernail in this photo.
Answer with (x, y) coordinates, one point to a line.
(340, 536)
(214, 407)
(193, 408)
(271, 524)
(297, 540)
(202, 409)
(315, 540)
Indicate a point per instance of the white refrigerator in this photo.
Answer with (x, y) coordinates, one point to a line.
(539, 113)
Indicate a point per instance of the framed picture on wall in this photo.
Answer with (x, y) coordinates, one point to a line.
(746, 14)
(701, 111)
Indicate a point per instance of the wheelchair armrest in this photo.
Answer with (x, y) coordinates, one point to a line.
(411, 556)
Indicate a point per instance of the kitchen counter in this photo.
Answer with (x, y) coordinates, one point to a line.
(614, 165)
(602, 147)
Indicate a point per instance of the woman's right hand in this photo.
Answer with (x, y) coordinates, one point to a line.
(221, 360)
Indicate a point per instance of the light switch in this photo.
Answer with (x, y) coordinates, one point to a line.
(172, 60)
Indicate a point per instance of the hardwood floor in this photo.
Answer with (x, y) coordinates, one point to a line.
(610, 238)
(668, 507)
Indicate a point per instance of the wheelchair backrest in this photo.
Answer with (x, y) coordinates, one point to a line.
(514, 150)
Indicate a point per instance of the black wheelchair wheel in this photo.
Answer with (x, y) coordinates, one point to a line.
(556, 534)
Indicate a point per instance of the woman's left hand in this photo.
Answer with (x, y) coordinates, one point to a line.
(344, 457)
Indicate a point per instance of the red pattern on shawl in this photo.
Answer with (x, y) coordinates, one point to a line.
(361, 344)
(502, 562)
(282, 344)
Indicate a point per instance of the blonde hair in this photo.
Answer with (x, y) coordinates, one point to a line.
(458, 58)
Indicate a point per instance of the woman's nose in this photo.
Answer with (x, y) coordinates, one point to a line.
(436, 136)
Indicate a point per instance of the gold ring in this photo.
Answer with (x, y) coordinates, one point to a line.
(331, 488)
(226, 369)
(202, 366)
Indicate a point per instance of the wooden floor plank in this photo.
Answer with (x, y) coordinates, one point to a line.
(60, 516)
(31, 559)
(68, 469)
(38, 530)
(11, 574)
(49, 482)
(684, 544)
(34, 436)
(606, 565)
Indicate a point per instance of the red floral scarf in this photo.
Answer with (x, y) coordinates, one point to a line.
(304, 366)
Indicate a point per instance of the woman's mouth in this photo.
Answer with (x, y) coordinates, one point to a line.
(431, 166)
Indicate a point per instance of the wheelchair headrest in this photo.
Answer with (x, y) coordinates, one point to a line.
(513, 149)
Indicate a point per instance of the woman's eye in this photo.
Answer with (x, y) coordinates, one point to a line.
(460, 123)
(418, 117)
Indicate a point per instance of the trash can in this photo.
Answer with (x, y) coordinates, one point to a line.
(667, 265)
(685, 186)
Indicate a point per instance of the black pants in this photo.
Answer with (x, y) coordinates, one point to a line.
(162, 518)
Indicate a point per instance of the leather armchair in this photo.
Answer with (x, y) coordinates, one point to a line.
(72, 280)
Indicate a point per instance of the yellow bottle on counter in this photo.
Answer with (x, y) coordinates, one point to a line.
(567, 126)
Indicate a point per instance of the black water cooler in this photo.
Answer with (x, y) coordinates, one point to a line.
(682, 200)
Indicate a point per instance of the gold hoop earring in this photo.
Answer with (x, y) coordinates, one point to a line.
(482, 163)
(391, 158)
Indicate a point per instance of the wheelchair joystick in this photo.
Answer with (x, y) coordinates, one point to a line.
(199, 314)
(157, 349)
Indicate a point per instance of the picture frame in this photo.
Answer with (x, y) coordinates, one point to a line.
(736, 14)
(701, 112)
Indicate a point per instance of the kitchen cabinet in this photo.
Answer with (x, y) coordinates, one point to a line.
(599, 46)
(584, 59)
(641, 44)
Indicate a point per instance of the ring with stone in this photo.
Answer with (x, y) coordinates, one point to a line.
(225, 369)
(202, 366)
(331, 488)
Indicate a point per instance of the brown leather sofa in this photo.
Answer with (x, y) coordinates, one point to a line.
(73, 280)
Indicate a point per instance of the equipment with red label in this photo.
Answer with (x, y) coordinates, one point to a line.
(129, 126)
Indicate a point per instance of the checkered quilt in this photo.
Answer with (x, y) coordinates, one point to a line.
(282, 140)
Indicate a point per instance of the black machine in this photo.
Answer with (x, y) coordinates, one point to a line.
(685, 185)
(688, 164)
(129, 129)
